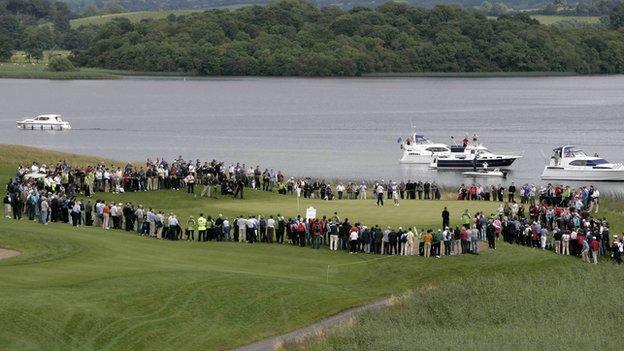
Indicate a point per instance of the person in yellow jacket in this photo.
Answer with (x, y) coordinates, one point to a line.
(201, 227)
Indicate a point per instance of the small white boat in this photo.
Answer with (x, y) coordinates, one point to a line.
(417, 149)
(571, 163)
(486, 174)
(44, 122)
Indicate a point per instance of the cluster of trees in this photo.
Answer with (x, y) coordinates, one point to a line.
(293, 37)
(33, 26)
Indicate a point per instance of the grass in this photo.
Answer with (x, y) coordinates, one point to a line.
(39, 71)
(89, 289)
(569, 307)
(20, 68)
(143, 15)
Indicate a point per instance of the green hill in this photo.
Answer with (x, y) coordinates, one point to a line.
(91, 289)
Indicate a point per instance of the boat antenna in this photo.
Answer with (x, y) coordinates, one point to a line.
(412, 123)
(454, 142)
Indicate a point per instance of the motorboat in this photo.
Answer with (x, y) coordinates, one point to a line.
(474, 156)
(485, 173)
(571, 163)
(417, 149)
(44, 122)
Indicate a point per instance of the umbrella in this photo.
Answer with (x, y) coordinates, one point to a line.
(34, 176)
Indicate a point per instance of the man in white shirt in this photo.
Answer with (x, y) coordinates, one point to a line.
(251, 224)
(380, 193)
(340, 190)
(594, 204)
(270, 229)
(362, 193)
(242, 229)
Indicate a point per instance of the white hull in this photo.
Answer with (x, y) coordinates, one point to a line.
(416, 159)
(605, 175)
(42, 126)
(492, 174)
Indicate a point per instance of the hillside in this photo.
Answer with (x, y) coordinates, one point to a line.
(150, 5)
(296, 38)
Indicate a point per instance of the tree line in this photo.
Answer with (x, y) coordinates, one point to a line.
(296, 38)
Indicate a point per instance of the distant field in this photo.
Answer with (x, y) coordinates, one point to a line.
(141, 15)
(552, 19)
(544, 19)
(20, 68)
(20, 56)
(39, 71)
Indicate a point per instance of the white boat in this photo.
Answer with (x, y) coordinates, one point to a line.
(474, 156)
(571, 163)
(486, 174)
(417, 149)
(44, 122)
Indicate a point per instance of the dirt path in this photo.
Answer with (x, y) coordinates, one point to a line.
(8, 253)
(319, 328)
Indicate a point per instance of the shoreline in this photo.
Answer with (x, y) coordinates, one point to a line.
(107, 74)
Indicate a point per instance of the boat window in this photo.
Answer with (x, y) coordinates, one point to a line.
(42, 118)
(574, 153)
(578, 163)
(436, 149)
(600, 161)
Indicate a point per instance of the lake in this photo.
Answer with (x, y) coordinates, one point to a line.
(331, 128)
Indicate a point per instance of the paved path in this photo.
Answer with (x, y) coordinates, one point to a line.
(8, 253)
(343, 318)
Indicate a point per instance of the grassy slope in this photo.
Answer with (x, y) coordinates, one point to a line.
(90, 289)
(141, 15)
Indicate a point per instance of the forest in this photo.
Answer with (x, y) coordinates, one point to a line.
(297, 38)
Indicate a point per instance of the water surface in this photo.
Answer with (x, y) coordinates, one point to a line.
(333, 128)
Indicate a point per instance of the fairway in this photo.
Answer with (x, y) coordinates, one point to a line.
(84, 288)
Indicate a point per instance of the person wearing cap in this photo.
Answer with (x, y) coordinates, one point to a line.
(595, 249)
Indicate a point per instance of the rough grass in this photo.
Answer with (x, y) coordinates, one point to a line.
(89, 289)
(25, 70)
(571, 307)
